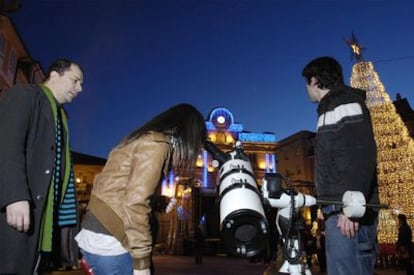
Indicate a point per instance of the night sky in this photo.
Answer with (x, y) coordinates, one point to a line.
(141, 57)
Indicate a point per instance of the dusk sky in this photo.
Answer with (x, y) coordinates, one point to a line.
(141, 57)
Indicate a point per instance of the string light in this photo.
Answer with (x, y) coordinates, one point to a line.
(395, 150)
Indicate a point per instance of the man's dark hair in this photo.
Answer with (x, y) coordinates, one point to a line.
(326, 70)
(60, 66)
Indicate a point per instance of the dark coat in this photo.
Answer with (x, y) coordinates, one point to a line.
(404, 245)
(27, 151)
(345, 149)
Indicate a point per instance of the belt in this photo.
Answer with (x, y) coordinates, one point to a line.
(331, 210)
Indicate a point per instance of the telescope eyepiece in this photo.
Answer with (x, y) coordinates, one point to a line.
(216, 153)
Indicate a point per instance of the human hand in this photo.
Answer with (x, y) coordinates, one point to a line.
(171, 205)
(142, 272)
(348, 227)
(18, 215)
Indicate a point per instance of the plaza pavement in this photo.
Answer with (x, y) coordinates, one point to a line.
(216, 265)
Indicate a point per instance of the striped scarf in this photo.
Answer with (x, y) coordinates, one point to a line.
(66, 204)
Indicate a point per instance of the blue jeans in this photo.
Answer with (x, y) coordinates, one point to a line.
(109, 265)
(345, 256)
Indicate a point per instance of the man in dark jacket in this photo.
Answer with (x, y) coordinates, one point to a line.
(345, 160)
(37, 189)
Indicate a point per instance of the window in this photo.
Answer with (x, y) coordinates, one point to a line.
(12, 62)
(2, 47)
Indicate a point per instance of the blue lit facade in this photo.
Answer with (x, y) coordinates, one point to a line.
(223, 131)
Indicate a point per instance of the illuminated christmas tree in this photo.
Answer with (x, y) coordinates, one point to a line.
(395, 148)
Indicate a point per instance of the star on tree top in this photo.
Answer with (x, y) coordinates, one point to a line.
(356, 48)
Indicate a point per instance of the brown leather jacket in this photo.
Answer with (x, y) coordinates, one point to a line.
(121, 193)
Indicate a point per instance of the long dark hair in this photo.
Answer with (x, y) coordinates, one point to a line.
(186, 125)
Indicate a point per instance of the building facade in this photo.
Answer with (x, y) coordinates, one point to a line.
(85, 167)
(16, 64)
(406, 112)
(295, 156)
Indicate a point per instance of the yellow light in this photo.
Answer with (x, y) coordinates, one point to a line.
(395, 152)
(229, 139)
(212, 137)
(199, 162)
(261, 164)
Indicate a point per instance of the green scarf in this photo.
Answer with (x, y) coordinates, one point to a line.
(45, 240)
